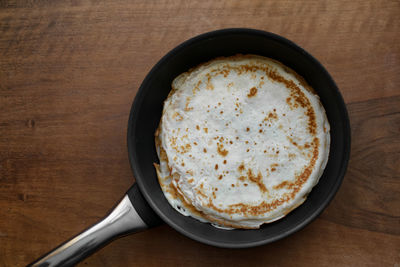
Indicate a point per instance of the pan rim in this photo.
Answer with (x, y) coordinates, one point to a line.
(139, 100)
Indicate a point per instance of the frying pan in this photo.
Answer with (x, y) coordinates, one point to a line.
(144, 205)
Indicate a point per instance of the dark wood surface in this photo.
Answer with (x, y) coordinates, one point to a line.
(69, 71)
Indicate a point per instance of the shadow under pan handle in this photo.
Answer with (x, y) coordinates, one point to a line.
(131, 215)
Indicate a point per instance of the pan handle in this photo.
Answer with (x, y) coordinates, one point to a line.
(131, 215)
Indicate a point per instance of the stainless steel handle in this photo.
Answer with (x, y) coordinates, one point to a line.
(122, 220)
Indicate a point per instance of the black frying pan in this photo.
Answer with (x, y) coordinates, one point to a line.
(144, 203)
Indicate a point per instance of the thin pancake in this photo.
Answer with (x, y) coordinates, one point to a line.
(241, 142)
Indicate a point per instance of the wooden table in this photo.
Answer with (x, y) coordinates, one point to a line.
(69, 71)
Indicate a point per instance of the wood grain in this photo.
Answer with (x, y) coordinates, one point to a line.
(69, 71)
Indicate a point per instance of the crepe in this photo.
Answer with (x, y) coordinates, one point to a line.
(241, 142)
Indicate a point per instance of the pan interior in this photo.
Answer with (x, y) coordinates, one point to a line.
(146, 112)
